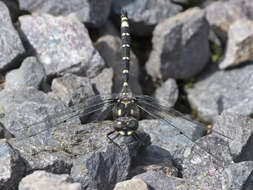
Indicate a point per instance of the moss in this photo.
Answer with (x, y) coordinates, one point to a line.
(217, 53)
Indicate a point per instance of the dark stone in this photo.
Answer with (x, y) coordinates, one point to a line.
(180, 46)
(12, 167)
(145, 14)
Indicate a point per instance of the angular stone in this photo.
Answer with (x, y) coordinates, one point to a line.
(240, 44)
(110, 49)
(204, 161)
(62, 44)
(168, 92)
(11, 47)
(157, 180)
(217, 91)
(94, 13)
(30, 73)
(239, 129)
(12, 167)
(72, 89)
(133, 184)
(180, 46)
(44, 180)
(221, 15)
(167, 137)
(144, 15)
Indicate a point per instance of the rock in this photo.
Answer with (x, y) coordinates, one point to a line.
(103, 82)
(110, 49)
(133, 184)
(144, 15)
(62, 44)
(236, 175)
(167, 137)
(249, 182)
(11, 167)
(180, 46)
(30, 73)
(72, 89)
(217, 91)
(168, 92)
(11, 47)
(239, 129)
(105, 169)
(240, 44)
(41, 180)
(221, 15)
(248, 4)
(94, 13)
(153, 158)
(204, 161)
(157, 180)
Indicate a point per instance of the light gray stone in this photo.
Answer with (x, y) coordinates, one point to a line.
(240, 44)
(94, 13)
(41, 180)
(30, 73)
(11, 47)
(133, 184)
(62, 44)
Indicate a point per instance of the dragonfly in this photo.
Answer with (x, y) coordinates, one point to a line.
(126, 107)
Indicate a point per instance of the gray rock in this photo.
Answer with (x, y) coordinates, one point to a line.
(154, 158)
(221, 15)
(133, 184)
(144, 15)
(239, 128)
(217, 91)
(205, 161)
(248, 183)
(180, 46)
(30, 73)
(110, 49)
(94, 13)
(11, 48)
(166, 136)
(236, 175)
(43, 180)
(72, 89)
(103, 82)
(157, 180)
(240, 44)
(248, 4)
(12, 167)
(105, 169)
(62, 44)
(168, 92)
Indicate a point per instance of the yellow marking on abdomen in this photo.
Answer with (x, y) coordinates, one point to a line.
(125, 71)
(125, 34)
(124, 18)
(125, 84)
(124, 24)
(125, 58)
(132, 112)
(125, 45)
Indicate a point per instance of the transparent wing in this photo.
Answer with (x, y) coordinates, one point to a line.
(175, 119)
(173, 116)
(91, 105)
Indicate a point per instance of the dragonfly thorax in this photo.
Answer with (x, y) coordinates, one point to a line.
(126, 125)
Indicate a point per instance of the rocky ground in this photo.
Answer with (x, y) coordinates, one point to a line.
(191, 54)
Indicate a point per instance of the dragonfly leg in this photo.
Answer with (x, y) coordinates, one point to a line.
(112, 139)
